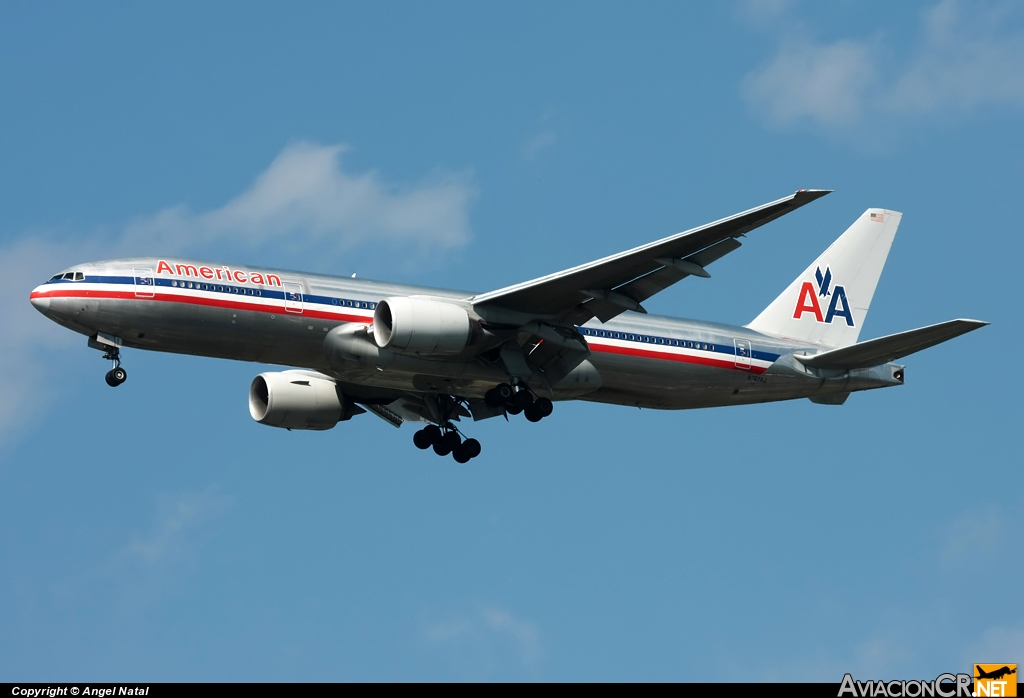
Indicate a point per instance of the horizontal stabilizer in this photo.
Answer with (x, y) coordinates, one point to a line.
(876, 352)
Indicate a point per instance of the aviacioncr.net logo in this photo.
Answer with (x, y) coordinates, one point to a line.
(943, 686)
(807, 301)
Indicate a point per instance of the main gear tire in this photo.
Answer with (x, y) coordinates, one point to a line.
(422, 440)
(472, 447)
(492, 399)
(433, 433)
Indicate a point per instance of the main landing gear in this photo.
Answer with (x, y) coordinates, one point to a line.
(516, 399)
(117, 375)
(445, 439)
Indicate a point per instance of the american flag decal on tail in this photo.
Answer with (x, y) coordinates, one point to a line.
(878, 217)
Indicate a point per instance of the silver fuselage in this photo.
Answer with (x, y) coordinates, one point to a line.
(283, 317)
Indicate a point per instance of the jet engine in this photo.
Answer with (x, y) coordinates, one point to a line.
(296, 400)
(421, 326)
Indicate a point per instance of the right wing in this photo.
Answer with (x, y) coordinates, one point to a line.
(610, 286)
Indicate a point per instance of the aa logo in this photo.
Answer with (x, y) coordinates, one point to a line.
(838, 305)
(995, 679)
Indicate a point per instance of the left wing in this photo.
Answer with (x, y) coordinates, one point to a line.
(882, 350)
(610, 286)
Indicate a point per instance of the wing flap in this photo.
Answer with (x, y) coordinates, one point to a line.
(876, 352)
(646, 286)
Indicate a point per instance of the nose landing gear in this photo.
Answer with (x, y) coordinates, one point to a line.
(111, 348)
(117, 375)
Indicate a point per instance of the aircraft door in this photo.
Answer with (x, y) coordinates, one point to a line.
(145, 286)
(742, 353)
(293, 298)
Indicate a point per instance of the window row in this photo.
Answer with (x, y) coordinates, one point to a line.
(290, 295)
(648, 339)
(366, 305)
(219, 288)
(69, 276)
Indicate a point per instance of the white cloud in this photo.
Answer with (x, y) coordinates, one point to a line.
(976, 532)
(823, 82)
(964, 58)
(27, 335)
(179, 519)
(542, 141)
(763, 11)
(152, 563)
(965, 61)
(304, 200)
(525, 633)
(481, 642)
(998, 644)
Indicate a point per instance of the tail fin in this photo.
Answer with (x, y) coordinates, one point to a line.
(828, 303)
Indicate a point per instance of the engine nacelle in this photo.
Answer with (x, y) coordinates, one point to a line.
(421, 326)
(296, 400)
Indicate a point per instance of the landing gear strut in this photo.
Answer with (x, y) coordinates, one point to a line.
(117, 375)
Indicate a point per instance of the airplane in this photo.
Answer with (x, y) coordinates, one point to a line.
(996, 674)
(435, 357)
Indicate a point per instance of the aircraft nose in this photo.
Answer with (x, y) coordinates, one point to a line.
(41, 302)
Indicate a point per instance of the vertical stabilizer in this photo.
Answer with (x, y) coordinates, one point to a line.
(828, 303)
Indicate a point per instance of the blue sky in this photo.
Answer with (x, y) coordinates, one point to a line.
(156, 532)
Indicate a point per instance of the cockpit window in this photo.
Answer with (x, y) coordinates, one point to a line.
(69, 276)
